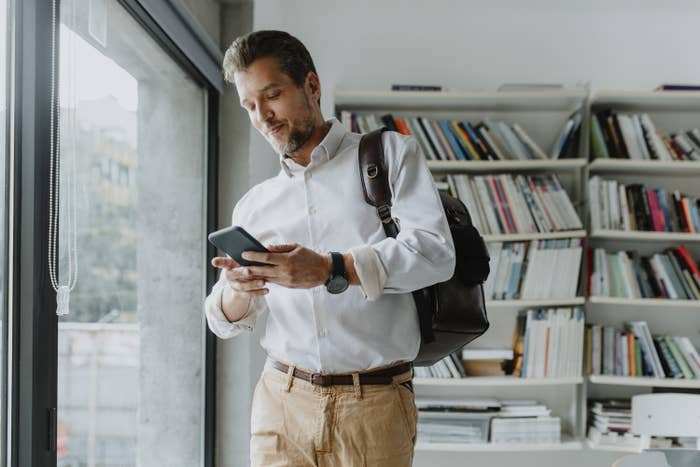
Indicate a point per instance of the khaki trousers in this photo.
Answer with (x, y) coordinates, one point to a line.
(296, 423)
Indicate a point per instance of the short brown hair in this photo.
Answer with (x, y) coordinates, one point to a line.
(293, 57)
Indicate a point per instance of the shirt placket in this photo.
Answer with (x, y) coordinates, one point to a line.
(318, 311)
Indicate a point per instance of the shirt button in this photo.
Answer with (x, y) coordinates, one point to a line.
(323, 333)
(312, 210)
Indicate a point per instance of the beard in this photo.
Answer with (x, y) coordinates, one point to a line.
(300, 131)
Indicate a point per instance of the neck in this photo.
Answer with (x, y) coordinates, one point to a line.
(302, 156)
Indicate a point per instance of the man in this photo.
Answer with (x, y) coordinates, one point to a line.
(342, 327)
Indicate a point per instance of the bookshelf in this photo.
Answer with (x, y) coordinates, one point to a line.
(568, 443)
(535, 236)
(542, 115)
(543, 303)
(644, 381)
(640, 236)
(502, 166)
(643, 167)
(496, 381)
(670, 112)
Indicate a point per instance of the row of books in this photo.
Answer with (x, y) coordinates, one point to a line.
(538, 269)
(449, 367)
(507, 204)
(443, 139)
(633, 351)
(486, 420)
(548, 343)
(634, 136)
(671, 274)
(473, 362)
(615, 205)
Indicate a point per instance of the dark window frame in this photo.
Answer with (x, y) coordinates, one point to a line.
(34, 334)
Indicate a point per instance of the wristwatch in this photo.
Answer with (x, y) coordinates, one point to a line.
(338, 281)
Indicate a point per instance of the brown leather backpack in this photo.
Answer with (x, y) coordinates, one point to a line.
(452, 313)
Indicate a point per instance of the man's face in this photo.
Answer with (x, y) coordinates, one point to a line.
(279, 109)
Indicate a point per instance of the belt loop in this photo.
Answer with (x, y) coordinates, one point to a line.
(356, 384)
(290, 377)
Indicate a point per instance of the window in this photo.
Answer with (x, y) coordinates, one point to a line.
(4, 222)
(131, 350)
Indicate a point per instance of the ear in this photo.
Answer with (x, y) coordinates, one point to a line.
(313, 86)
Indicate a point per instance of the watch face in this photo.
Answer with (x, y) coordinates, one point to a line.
(337, 284)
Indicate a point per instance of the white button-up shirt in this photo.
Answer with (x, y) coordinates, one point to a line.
(322, 207)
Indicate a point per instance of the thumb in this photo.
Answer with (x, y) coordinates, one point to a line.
(282, 248)
(224, 262)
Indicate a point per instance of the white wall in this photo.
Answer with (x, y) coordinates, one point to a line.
(470, 45)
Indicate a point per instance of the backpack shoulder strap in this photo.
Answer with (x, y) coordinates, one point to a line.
(375, 184)
(375, 179)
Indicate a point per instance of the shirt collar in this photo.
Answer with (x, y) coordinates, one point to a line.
(324, 152)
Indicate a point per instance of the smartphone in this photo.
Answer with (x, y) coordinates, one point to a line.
(234, 241)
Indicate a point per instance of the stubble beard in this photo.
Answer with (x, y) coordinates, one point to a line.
(301, 133)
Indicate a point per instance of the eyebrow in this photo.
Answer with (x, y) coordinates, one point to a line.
(263, 90)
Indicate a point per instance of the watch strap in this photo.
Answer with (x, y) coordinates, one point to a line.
(338, 268)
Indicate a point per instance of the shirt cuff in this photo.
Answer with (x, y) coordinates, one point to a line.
(370, 271)
(219, 324)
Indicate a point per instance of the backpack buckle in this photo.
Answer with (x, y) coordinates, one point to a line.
(372, 171)
(384, 213)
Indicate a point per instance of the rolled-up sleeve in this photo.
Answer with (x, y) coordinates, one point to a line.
(216, 319)
(423, 253)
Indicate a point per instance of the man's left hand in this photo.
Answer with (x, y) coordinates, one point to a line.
(292, 266)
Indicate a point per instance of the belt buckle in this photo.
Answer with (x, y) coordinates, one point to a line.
(321, 379)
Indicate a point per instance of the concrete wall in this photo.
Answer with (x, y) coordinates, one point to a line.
(239, 360)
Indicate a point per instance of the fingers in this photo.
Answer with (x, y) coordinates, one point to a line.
(252, 287)
(271, 257)
(282, 248)
(224, 262)
(249, 273)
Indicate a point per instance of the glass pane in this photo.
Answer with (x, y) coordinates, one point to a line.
(130, 372)
(4, 182)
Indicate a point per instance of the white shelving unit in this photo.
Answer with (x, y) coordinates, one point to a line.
(543, 303)
(535, 236)
(568, 443)
(542, 115)
(639, 236)
(649, 303)
(495, 381)
(644, 381)
(671, 112)
(506, 166)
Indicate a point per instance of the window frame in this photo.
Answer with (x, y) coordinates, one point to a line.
(32, 343)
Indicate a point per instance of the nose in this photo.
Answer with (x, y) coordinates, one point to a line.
(264, 113)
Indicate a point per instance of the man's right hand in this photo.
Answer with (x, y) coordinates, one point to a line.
(239, 278)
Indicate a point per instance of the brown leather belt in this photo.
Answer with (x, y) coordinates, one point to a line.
(373, 377)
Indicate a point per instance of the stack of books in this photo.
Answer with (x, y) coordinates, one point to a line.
(448, 367)
(487, 362)
(525, 422)
(672, 274)
(548, 343)
(615, 205)
(610, 422)
(442, 139)
(484, 420)
(507, 204)
(634, 136)
(633, 351)
(539, 269)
